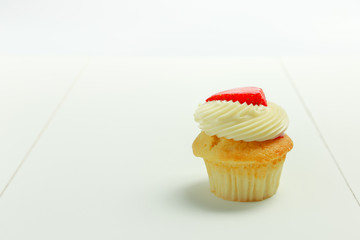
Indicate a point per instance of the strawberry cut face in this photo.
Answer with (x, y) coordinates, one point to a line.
(249, 95)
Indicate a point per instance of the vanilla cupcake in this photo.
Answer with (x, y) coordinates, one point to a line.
(243, 143)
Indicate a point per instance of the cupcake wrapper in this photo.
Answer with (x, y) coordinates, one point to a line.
(245, 182)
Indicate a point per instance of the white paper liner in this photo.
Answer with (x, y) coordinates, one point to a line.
(244, 183)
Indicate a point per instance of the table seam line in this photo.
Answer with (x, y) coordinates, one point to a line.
(46, 125)
(307, 110)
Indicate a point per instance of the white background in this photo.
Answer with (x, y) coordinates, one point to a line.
(96, 117)
(100, 148)
(180, 28)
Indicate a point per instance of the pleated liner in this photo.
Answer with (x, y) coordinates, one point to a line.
(244, 182)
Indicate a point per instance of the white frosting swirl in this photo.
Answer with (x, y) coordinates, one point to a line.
(237, 121)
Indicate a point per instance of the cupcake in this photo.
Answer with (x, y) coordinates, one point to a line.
(243, 143)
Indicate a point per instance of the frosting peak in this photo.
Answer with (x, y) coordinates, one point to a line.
(242, 121)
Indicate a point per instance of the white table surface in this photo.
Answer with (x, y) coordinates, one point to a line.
(101, 149)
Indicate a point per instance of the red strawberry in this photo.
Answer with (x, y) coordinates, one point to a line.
(250, 95)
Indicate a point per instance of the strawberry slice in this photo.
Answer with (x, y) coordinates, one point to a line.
(249, 95)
